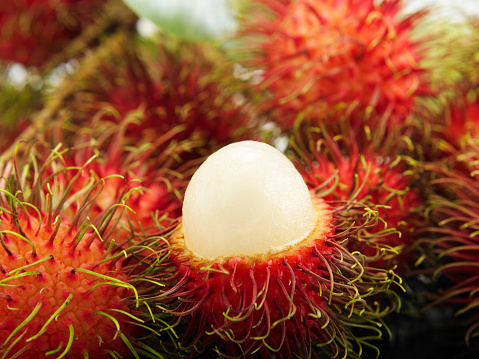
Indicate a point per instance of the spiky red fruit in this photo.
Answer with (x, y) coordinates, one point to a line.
(317, 56)
(172, 86)
(32, 31)
(369, 171)
(62, 286)
(49, 303)
(147, 175)
(285, 299)
(451, 241)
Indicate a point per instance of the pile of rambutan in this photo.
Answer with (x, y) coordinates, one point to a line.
(447, 169)
(305, 188)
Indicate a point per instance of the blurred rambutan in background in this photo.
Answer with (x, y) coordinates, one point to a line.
(318, 56)
(35, 31)
(152, 90)
(450, 242)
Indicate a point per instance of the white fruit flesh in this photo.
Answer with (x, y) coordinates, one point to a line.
(246, 199)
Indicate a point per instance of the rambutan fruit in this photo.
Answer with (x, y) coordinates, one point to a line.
(452, 112)
(159, 87)
(450, 241)
(32, 31)
(258, 267)
(369, 169)
(134, 164)
(64, 285)
(319, 56)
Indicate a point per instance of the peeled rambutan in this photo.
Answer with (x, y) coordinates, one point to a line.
(318, 56)
(369, 169)
(259, 267)
(32, 31)
(64, 284)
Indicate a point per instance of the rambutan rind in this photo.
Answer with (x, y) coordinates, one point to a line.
(310, 297)
(156, 88)
(32, 32)
(449, 242)
(317, 56)
(65, 285)
(340, 163)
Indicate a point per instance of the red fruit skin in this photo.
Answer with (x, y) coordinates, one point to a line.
(461, 121)
(320, 56)
(263, 292)
(256, 306)
(173, 87)
(377, 182)
(342, 164)
(149, 196)
(285, 327)
(32, 31)
(57, 280)
(145, 181)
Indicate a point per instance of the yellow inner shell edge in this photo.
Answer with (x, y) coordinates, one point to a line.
(317, 234)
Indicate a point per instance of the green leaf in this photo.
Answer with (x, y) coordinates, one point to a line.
(192, 20)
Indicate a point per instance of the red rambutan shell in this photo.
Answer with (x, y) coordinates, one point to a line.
(450, 239)
(284, 303)
(32, 31)
(47, 286)
(64, 283)
(317, 56)
(171, 86)
(371, 172)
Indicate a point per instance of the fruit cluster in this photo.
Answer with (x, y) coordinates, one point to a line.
(306, 186)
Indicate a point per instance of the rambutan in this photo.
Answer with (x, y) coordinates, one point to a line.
(149, 174)
(64, 285)
(450, 242)
(258, 267)
(160, 87)
(32, 31)
(368, 169)
(444, 119)
(319, 56)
